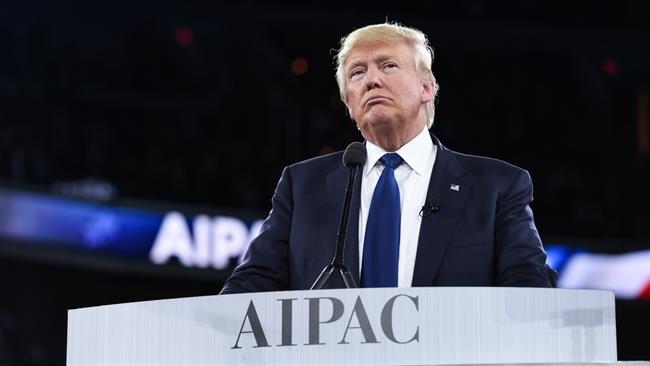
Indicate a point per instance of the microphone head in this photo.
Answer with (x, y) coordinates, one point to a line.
(354, 155)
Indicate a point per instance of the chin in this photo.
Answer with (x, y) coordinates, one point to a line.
(380, 120)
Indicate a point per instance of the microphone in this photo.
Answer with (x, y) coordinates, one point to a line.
(353, 158)
(430, 207)
(354, 155)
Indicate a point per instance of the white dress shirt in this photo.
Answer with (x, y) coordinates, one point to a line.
(413, 177)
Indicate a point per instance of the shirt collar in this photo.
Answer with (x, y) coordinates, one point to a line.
(415, 153)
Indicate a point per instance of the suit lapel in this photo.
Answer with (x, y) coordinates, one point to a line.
(336, 183)
(436, 229)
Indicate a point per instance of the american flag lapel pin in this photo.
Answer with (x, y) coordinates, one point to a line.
(455, 187)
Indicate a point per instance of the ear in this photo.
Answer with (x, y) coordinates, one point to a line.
(349, 110)
(351, 116)
(428, 91)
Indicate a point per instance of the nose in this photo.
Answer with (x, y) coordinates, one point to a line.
(373, 78)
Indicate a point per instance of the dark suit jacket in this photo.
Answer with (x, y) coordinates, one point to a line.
(482, 235)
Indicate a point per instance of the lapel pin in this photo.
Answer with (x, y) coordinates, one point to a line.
(455, 187)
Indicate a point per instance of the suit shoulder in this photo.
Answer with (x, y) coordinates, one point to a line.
(320, 163)
(486, 166)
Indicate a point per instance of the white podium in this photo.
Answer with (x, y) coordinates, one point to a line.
(386, 326)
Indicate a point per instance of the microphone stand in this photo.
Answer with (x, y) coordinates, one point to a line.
(337, 262)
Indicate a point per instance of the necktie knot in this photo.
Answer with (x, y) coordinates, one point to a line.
(391, 160)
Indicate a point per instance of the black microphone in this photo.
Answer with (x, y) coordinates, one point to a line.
(354, 155)
(430, 207)
(353, 158)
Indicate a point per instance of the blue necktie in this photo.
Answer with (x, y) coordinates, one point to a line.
(381, 243)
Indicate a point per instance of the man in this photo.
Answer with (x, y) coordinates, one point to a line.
(423, 216)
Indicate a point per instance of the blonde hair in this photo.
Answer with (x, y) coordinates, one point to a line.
(389, 32)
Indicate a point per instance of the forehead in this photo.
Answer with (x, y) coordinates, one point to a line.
(373, 51)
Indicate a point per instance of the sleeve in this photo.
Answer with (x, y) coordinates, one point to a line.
(265, 266)
(520, 255)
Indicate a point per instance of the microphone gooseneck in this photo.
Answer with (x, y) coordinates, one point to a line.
(353, 158)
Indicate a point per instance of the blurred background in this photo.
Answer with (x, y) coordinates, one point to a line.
(141, 141)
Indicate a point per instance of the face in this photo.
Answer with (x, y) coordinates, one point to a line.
(385, 96)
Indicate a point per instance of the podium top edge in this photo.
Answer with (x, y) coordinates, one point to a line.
(402, 290)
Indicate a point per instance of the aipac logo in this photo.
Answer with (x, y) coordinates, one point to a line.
(384, 329)
(215, 243)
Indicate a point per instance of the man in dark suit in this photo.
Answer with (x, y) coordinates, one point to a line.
(422, 215)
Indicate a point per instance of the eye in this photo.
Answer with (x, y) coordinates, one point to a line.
(390, 65)
(356, 73)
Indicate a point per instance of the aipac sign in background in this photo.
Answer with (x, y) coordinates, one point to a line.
(201, 241)
(216, 240)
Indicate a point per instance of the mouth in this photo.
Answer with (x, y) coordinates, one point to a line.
(375, 99)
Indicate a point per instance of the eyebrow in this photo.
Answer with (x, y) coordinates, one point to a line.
(378, 59)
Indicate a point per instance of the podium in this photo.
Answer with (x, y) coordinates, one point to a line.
(385, 326)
